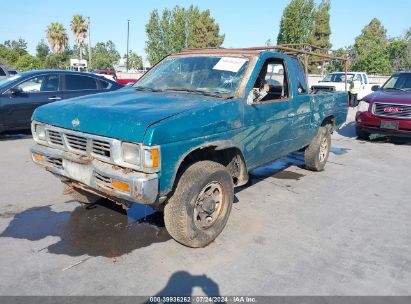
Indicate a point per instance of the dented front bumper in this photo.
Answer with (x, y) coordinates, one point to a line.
(92, 174)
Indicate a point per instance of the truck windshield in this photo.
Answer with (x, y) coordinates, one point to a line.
(207, 75)
(338, 77)
(399, 82)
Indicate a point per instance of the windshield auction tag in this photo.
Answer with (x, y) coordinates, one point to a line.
(230, 64)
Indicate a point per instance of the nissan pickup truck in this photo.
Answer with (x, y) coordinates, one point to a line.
(187, 133)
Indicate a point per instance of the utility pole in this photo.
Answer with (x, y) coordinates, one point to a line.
(89, 45)
(128, 34)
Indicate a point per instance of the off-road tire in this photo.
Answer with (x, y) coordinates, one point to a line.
(361, 134)
(84, 197)
(179, 213)
(314, 157)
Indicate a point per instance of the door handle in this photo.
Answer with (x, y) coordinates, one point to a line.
(290, 115)
(55, 98)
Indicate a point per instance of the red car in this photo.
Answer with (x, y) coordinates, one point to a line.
(387, 110)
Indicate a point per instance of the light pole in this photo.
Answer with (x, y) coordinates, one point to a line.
(89, 44)
(128, 34)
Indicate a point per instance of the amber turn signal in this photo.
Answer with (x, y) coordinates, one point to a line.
(37, 157)
(120, 185)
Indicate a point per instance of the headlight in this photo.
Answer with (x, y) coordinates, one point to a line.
(145, 157)
(131, 153)
(363, 106)
(39, 131)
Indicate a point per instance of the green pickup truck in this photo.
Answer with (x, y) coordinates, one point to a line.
(186, 134)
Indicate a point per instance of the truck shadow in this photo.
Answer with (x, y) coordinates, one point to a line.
(348, 130)
(182, 283)
(15, 135)
(102, 229)
(278, 168)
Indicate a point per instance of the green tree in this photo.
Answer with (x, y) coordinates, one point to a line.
(399, 50)
(28, 63)
(57, 61)
(104, 55)
(79, 28)
(57, 37)
(19, 45)
(42, 50)
(322, 30)
(296, 25)
(371, 50)
(178, 29)
(135, 62)
(338, 65)
(8, 56)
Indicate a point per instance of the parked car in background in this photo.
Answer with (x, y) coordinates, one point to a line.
(187, 133)
(21, 94)
(357, 85)
(387, 110)
(6, 73)
(108, 73)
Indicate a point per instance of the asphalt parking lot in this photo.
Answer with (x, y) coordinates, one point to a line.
(343, 231)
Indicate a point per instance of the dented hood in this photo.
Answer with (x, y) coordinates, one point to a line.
(125, 114)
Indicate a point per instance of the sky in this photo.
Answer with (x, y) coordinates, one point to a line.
(244, 23)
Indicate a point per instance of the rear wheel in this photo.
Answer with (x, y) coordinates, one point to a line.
(316, 154)
(361, 134)
(201, 204)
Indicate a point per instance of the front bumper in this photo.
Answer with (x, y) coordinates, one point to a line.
(371, 124)
(92, 174)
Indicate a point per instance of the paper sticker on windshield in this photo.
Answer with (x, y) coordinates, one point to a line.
(230, 64)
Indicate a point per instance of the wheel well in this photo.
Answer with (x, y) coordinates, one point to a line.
(231, 158)
(329, 122)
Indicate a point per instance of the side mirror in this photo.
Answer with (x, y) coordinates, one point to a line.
(255, 95)
(375, 87)
(15, 91)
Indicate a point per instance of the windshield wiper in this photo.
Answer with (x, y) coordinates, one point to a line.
(394, 89)
(147, 89)
(206, 93)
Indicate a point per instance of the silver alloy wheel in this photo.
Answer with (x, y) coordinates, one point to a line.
(323, 149)
(209, 205)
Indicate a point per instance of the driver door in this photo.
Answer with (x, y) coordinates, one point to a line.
(29, 95)
(269, 120)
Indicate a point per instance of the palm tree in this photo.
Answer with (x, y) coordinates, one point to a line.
(57, 37)
(79, 28)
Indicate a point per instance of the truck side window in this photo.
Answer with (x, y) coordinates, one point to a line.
(2, 73)
(274, 80)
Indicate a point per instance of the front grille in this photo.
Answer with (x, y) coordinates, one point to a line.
(392, 110)
(55, 162)
(102, 181)
(55, 138)
(102, 148)
(76, 142)
(323, 88)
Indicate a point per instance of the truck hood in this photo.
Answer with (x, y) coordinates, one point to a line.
(389, 97)
(125, 114)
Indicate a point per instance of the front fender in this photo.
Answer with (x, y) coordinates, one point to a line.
(173, 154)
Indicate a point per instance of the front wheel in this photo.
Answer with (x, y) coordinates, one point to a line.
(201, 204)
(316, 154)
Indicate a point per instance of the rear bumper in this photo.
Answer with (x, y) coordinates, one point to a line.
(91, 174)
(371, 124)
